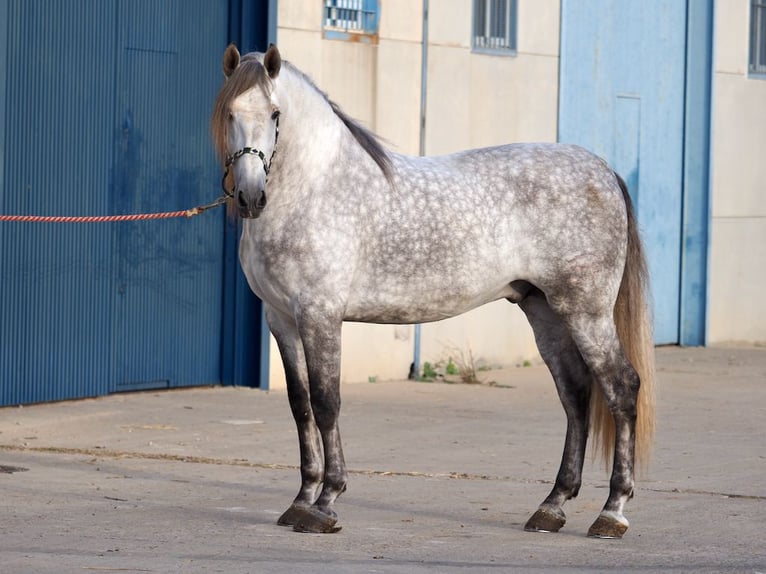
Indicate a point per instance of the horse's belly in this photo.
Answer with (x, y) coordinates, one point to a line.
(420, 302)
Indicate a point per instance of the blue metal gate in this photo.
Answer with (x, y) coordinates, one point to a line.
(625, 68)
(167, 307)
(104, 110)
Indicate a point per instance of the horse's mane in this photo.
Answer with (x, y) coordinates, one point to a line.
(251, 73)
(367, 139)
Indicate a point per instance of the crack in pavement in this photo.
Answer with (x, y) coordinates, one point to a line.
(106, 453)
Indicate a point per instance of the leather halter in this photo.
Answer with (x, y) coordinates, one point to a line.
(230, 159)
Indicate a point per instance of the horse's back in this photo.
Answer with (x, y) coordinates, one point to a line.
(538, 172)
(508, 180)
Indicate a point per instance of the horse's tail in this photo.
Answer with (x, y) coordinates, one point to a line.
(634, 328)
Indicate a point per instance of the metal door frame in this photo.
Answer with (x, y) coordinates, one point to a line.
(244, 321)
(695, 225)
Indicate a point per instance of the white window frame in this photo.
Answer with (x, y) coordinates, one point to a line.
(342, 19)
(757, 53)
(488, 35)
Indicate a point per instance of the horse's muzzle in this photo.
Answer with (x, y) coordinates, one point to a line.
(251, 204)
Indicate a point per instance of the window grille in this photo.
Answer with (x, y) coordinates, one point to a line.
(351, 16)
(758, 37)
(494, 26)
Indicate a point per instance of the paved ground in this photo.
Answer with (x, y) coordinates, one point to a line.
(444, 477)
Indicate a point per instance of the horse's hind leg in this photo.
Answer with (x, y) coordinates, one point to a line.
(573, 383)
(309, 441)
(600, 347)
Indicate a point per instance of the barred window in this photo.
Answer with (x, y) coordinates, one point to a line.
(494, 26)
(757, 37)
(343, 18)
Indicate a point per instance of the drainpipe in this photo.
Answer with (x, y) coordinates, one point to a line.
(415, 370)
(423, 79)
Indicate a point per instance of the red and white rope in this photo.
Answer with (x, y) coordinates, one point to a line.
(96, 218)
(107, 218)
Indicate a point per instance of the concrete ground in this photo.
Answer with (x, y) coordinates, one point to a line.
(443, 479)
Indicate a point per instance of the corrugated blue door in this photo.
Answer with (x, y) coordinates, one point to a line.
(104, 107)
(622, 81)
(168, 301)
(57, 61)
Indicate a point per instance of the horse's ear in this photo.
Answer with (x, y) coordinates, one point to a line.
(230, 60)
(272, 61)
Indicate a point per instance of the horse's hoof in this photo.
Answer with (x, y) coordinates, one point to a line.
(608, 525)
(291, 516)
(546, 520)
(317, 521)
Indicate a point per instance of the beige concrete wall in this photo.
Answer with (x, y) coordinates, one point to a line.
(736, 306)
(478, 100)
(473, 100)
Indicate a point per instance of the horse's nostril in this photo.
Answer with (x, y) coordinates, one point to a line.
(249, 202)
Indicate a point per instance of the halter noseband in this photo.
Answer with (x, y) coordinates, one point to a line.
(230, 159)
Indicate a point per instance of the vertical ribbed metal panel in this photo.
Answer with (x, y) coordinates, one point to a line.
(168, 307)
(55, 279)
(105, 111)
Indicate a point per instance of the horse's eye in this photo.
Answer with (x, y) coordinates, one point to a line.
(275, 115)
(230, 117)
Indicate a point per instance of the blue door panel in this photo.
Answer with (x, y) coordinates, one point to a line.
(105, 107)
(622, 95)
(55, 295)
(167, 76)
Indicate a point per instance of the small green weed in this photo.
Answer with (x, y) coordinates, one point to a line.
(428, 371)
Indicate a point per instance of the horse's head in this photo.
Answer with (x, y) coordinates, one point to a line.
(245, 127)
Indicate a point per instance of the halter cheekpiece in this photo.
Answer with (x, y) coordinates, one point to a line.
(230, 159)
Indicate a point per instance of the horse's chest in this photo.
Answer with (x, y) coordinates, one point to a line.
(281, 267)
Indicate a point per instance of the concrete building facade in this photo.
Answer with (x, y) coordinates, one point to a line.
(477, 98)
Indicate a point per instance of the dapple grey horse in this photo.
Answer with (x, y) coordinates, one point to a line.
(334, 230)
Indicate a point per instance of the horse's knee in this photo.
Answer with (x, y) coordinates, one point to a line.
(325, 405)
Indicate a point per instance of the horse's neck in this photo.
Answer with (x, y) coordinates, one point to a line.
(318, 157)
(311, 132)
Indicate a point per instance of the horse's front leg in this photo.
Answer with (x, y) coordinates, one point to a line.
(320, 333)
(285, 332)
